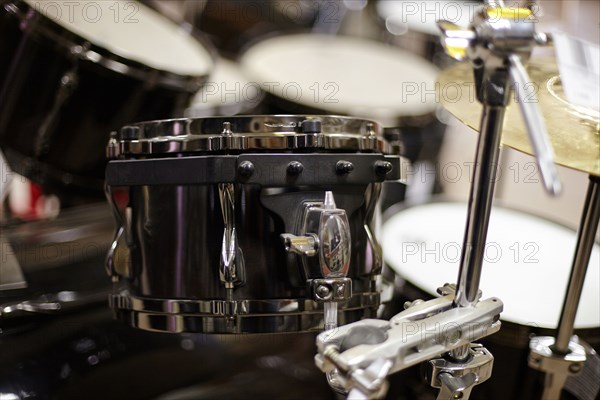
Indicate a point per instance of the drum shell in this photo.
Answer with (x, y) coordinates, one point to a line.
(178, 234)
(72, 152)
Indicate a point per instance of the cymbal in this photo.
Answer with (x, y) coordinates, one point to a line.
(574, 131)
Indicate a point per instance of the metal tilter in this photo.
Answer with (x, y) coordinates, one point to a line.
(362, 354)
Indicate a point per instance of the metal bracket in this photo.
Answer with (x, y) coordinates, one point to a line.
(456, 379)
(422, 332)
(558, 367)
(332, 289)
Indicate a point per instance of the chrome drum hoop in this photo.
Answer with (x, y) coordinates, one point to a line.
(269, 133)
(236, 316)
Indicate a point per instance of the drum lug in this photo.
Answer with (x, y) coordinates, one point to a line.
(326, 232)
(231, 271)
(118, 259)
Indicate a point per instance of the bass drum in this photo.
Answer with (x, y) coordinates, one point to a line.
(527, 265)
(71, 73)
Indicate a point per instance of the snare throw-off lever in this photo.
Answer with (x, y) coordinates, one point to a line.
(325, 232)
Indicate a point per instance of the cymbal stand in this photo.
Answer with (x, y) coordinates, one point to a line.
(565, 355)
(498, 42)
(363, 353)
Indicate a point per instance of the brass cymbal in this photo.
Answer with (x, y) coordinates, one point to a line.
(574, 131)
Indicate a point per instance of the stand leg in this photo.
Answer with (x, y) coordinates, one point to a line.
(562, 357)
(583, 250)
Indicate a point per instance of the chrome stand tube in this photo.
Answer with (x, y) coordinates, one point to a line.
(583, 250)
(480, 205)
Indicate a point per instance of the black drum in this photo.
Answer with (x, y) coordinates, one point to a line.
(71, 73)
(250, 224)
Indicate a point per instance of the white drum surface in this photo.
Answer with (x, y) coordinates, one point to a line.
(343, 75)
(226, 90)
(528, 260)
(421, 16)
(131, 30)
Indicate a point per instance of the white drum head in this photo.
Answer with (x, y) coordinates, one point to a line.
(343, 75)
(226, 92)
(528, 260)
(131, 30)
(422, 16)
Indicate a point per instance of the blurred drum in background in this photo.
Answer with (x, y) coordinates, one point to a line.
(74, 72)
(412, 25)
(232, 25)
(527, 264)
(325, 74)
(227, 92)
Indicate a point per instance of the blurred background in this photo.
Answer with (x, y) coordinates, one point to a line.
(372, 59)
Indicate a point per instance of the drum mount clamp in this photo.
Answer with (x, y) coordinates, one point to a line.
(324, 244)
(363, 353)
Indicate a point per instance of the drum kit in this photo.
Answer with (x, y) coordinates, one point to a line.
(250, 258)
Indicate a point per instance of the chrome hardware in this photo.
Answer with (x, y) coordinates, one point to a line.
(301, 245)
(227, 129)
(420, 333)
(325, 231)
(536, 129)
(232, 261)
(332, 289)
(334, 239)
(118, 258)
(30, 306)
(498, 38)
(213, 316)
(558, 367)
(497, 41)
(330, 238)
(50, 304)
(374, 192)
(456, 380)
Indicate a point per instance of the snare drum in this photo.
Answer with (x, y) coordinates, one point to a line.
(527, 265)
(71, 73)
(229, 228)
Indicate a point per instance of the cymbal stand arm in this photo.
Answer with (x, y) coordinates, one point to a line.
(495, 43)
